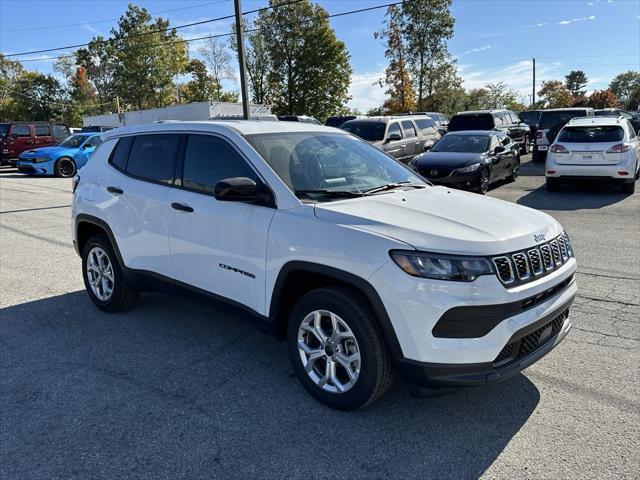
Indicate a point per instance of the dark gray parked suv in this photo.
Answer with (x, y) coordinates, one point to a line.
(504, 121)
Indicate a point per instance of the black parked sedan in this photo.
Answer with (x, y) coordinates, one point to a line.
(470, 160)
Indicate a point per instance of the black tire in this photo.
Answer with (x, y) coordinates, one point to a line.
(515, 171)
(538, 156)
(376, 372)
(124, 295)
(484, 181)
(65, 167)
(553, 184)
(524, 148)
(629, 187)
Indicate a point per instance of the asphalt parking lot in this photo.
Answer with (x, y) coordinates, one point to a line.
(172, 390)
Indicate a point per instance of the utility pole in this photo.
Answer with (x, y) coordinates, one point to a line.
(533, 94)
(241, 60)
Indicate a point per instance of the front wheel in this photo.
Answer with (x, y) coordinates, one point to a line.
(484, 181)
(65, 167)
(515, 170)
(524, 148)
(335, 349)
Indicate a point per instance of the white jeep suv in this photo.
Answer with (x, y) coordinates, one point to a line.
(365, 268)
(601, 148)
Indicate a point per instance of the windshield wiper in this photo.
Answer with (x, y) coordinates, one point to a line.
(391, 186)
(329, 193)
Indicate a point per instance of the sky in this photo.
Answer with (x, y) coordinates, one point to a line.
(494, 40)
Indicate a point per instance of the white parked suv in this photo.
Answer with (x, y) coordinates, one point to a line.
(365, 268)
(602, 148)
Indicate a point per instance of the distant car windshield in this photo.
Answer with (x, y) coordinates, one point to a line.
(462, 144)
(74, 141)
(530, 118)
(4, 129)
(551, 119)
(591, 134)
(329, 162)
(372, 131)
(479, 121)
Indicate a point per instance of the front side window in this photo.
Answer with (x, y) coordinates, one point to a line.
(92, 142)
(591, 134)
(20, 131)
(371, 131)
(394, 128)
(153, 157)
(409, 129)
(505, 141)
(327, 161)
(462, 144)
(74, 141)
(209, 159)
(43, 131)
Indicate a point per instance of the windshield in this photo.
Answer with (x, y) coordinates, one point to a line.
(74, 141)
(4, 129)
(480, 121)
(530, 118)
(372, 131)
(328, 161)
(551, 119)
(462, 144)
(591, 134)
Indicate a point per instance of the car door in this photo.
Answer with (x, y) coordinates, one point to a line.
(140, 182)
(508, 155)
(413, 143)
(43, 135)
(85, 150)
(218, 246)
(20, 139)
(395, 148)
(497, 159)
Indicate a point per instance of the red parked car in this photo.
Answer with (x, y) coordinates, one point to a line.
(17, 137)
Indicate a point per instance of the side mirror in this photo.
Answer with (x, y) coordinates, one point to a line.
(394, 137)
(242, 189)
(85, 146)
(498, 149)
(427, 147)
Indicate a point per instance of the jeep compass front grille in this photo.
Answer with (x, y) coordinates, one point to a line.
(527, 265)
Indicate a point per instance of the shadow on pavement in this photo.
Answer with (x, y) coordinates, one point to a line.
(171, 389)
(576, 195)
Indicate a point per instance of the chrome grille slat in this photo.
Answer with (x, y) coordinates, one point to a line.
(526, 265)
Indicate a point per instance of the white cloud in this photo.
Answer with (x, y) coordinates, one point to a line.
(537, 25)
(475, 50)
(365, 92)
(93, 30)
(577, 19)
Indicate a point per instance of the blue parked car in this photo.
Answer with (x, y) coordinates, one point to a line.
(61, 160)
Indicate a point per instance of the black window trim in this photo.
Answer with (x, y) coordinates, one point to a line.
(176, 181)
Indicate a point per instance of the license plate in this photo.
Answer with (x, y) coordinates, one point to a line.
(587, 157)
(542, 148)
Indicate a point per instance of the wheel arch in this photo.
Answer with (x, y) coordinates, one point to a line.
(87, 226)
(296, 278)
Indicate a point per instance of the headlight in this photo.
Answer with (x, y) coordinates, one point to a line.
(470, 168)
(39, 159)
(440, 266)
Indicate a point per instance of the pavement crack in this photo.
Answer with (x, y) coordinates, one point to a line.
(618, 277)
(605, 300)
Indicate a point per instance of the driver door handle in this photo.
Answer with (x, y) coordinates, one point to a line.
(115, 190)
(181, 207)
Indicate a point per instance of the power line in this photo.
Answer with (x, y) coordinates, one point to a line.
(94, 22)
(150, 32)
(219, 35)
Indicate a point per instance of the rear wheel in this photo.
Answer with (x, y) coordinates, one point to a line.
(553, 185)
(336, 350)
(103, 277)
(629, 187)
(539, 156)
(65, 167)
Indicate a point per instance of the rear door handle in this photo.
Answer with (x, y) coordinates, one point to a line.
(181, 207)
(115, 190)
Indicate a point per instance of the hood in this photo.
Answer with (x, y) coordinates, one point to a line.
(447, 159)
(443, 220)
(52, 151)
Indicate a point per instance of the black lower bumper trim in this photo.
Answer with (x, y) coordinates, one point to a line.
(450, 375)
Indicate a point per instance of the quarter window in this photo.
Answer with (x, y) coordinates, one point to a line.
(119, 155)
(20, 131)
(43, 131)
(208, 160)
(409, 129)
(153, 157)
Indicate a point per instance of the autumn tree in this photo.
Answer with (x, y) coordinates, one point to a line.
(397, 78)
(576, 82)
(97, 60)
(555, 94)
(309, 71)
(428, 25)
(603, 99)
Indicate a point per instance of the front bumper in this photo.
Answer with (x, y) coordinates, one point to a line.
(457, 180)
(34, 168)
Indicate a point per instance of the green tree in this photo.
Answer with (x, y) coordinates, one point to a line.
(555, 94)
(257, 62)
(98, 61)
(10, 72)
(36, 97)
(309, 71)
(576, 82)
(218, 60)
(201, 87)
(147, 56)
(499, 96)
(396, 75)
(428, 27)
(624, 85)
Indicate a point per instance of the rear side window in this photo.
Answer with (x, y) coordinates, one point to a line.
(607, 133)
(153, 157)
(60, 131)
(119, 155)
(409, 129)
(369, 130)
(43, 131)
(480, 121)
(424, 124)
(21, 131)
(209, 159)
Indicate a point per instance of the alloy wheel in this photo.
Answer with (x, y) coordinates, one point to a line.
(329, 351)
(484, 181)
(100, 274)
(66, 167)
